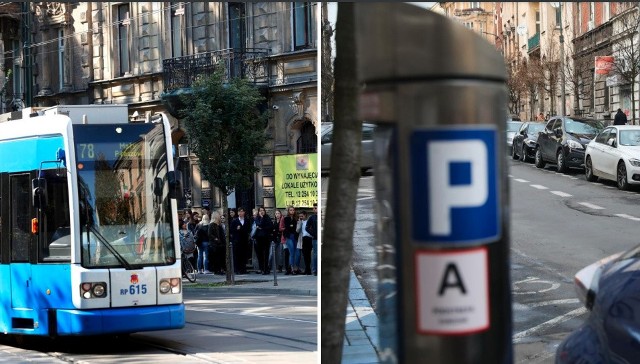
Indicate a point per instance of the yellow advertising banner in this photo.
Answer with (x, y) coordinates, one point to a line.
(296, 180)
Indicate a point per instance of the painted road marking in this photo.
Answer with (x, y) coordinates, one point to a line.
(521, 180)
(591, 206)
(245, 313)
(561, 194)
(554, 302)
(520, 336)
(540, 187)
(535, 280)
(625, 216)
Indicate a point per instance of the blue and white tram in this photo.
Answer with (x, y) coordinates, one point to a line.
(88, 236)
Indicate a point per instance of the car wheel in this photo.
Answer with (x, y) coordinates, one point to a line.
(539, 162)
(588, 170)
(514, 155)
(561, 162)
(621, 178)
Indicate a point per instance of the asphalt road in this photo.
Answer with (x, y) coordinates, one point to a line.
(221, 328)
(560, 223)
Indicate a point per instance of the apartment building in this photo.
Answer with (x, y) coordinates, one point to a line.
(144, 54)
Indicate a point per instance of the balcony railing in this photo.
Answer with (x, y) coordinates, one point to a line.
(182, 72)
(534, 42)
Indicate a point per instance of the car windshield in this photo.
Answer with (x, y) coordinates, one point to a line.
(513, 125)
(630, 137)
(124, 203)
(583, 126)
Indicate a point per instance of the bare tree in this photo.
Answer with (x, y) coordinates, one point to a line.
(574, 72)
(626, 50)
(517, 79)
(550, 67)
(327, 67)
(337, 243)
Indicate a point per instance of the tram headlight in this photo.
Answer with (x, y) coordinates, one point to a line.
(99, 290)
(165, 286)
(90, 290)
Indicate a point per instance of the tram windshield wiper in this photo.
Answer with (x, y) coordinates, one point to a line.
(110, 247)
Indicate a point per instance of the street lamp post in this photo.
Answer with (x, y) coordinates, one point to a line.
(562, 81)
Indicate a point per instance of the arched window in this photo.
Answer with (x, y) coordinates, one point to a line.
(308, 140)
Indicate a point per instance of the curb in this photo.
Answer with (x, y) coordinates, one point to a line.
(260, 290)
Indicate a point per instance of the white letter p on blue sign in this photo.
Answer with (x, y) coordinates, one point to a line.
(455, 182)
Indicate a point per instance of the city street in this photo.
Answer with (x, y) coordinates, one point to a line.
(222, 327)
(560, 223)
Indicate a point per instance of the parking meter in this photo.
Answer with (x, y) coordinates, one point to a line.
(437, 93)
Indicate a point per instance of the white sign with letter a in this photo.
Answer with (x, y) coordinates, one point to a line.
(452, 291)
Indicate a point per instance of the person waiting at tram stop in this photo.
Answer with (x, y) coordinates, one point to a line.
(202, 242)
(312, 230)
(304, 242)
(264, 230)
(289, 231)
(278, 242)
(217, 244)
(240, 229)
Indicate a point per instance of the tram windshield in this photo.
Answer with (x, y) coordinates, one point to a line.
(125, 210)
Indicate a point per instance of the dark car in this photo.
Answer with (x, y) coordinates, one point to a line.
(524, 142)
(563, 141)
(609, 288)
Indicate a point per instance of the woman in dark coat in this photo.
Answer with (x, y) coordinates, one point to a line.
(264, 232)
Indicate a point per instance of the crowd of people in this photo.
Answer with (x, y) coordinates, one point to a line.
(293, 239)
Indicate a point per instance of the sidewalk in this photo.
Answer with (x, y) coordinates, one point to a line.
(300, 285)
(361, 331)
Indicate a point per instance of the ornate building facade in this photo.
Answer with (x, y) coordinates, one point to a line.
(144, 54)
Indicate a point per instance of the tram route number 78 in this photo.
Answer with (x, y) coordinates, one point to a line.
(134, 289)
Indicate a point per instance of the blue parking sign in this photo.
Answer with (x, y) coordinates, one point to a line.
(455, 185)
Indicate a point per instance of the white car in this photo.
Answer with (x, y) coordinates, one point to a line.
(614, 154)
(512, 128)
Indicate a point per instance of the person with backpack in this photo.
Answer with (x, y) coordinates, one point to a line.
(187, 242)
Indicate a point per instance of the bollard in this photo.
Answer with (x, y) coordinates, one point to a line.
(273, 263)
(233, 269)
(437, 93)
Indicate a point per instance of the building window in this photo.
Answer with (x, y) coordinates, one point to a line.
(123, 39)
(60, 58)
(308, 141)
(302, 26)
(474, 5)
(237, 36)
(177, 32)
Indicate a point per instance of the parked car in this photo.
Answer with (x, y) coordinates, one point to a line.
(524, 142)
(563, 141)
(512, 129)
(366, 157)
(614, 155)
(610, 289)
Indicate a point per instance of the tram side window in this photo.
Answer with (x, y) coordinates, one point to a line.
(56, 242)
(20, 217)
